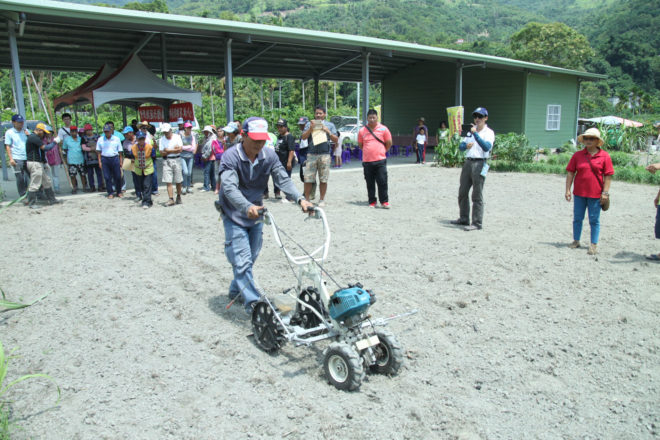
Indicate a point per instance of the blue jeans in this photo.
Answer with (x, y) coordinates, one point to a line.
(209, 175)
(420, 153)
(111, 173)
(187, 170)
(580, 205)
(242, 247)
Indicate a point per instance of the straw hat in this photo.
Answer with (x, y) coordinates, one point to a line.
(592, 132)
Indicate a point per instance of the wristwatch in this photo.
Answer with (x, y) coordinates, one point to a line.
(605, 193)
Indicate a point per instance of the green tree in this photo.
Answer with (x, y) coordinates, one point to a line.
(555, 44)
(153, 6)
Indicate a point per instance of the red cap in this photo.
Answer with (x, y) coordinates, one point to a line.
(88, 127)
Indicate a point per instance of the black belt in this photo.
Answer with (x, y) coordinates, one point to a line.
(173, 157)
(475, 158)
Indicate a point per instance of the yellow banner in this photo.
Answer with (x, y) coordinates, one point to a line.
(455, 117)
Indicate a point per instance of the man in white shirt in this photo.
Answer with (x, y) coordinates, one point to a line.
(478, 143)
(170, 148)
(15, 139)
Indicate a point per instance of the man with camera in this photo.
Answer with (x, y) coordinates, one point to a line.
(478, 142)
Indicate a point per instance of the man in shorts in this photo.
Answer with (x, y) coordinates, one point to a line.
(15, 139)
(318, 157)
(170, 148)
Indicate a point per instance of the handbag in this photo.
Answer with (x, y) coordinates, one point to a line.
(604, 203)
(127, 165)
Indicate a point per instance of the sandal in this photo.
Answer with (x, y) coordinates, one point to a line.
(110, 197)
(653, 257)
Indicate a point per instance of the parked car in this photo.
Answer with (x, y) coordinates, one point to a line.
(349, 133)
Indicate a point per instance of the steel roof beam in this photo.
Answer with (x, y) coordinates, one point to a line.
(255, 56)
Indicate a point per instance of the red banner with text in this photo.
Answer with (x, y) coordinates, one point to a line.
(154, 113)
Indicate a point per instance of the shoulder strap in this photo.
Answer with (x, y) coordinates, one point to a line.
(596, 173)
(375, 137)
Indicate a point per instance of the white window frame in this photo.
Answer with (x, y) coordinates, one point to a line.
(553, 117)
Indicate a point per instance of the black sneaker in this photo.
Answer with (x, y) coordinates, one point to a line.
(459, 222)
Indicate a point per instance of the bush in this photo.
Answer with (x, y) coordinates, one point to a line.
(622, 159)
(513, 147)
(559, 159)
(448, 154)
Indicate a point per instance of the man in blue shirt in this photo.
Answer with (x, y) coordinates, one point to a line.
(111, 155)
(15, 139)
(244, 173)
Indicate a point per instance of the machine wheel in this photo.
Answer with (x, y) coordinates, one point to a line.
(389, 354)
(306, 317)
(268, 332)
(343, 367)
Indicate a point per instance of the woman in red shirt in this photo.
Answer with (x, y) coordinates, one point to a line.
(592, 170)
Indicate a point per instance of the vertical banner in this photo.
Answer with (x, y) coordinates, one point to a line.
(455, 118)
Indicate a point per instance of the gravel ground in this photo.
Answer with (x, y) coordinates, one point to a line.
(517, 336)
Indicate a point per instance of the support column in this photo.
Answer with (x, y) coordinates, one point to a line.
(316, 91)
(303, 93)
(75, 113)
(123, 116)
(229, 82)
(261, 95)
(365, 86)
(163, 57)
(458, 99)
(16, 69)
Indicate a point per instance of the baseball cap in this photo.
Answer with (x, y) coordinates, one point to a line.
(127, 129)
(187, 124)
(107, 127)
(165, 127)
(88, 127)
(480, 111)
(17, 118)
(256, 128)
(282, 122)
(303, 120)
(179, 121)
(73, 128)
(208, 128)
(141, 135)
(231, 127)
(41, 126)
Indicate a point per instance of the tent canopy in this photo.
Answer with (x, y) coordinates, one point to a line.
(133, 84)
(77, 96)
(614, 120)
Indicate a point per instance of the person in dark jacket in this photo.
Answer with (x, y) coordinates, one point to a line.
(37, 165)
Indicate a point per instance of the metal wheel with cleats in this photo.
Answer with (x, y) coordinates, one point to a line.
(343, 367)
(307, 317)
(389, 354)
(268, 332)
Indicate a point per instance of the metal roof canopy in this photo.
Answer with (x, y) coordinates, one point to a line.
(72, 37)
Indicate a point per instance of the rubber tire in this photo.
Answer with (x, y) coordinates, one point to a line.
(343, 356)
(389, 354)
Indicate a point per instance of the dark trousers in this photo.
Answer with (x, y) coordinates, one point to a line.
(91, 169)
(421, 153)
(143, 186)
(154, 178)
(112, 174)
(471, 178)
(375, 173)
(22, 176)
(138, 191)
(657, 222)
(302, 158)
(288, 172)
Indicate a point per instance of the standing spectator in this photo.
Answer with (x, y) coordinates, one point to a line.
(208, 147)
(233, 135)
(180, 126)
(144, 167)
(652, 169)
(478, 144)
(170, 149)
(127, 145)
(318, 158)
(75, 160)
(303, 146)
(443, 133)
(375, 141)
(149, 131)
(189, 140)
(286, 151)
(15, 139)
(110, 155)
(244, 172)
(592, 170)
(420, 146)
(336, 152)
(37, 165)
(114, 131)
(218, 150)
(134, 125)
(89, 140)
(421, 123)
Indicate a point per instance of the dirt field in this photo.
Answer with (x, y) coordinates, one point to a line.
(517, 336)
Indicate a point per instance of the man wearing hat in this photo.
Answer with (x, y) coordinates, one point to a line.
(127, 145)
(111, 155)
(170, 148)
(286, 150)
(179, 123)
(15, 139)
(143, 167)
(244, 173)
(478, 144)
(37, 165)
